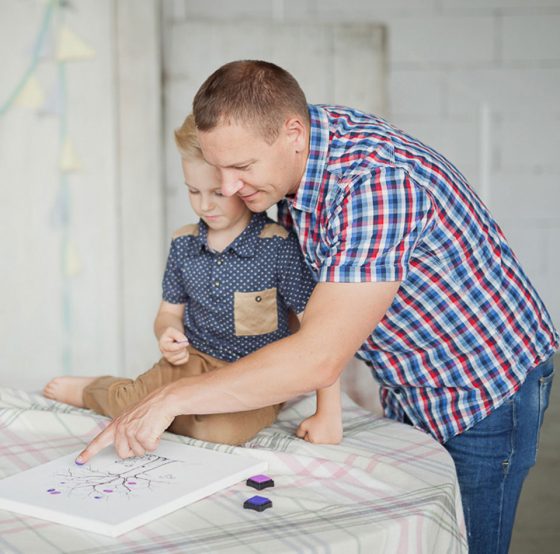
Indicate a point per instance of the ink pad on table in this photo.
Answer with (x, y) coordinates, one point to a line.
(258, 503)
(260, 482)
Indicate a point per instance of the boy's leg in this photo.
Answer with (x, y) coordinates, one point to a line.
(111, 396)
(228, 428)
(493, 458)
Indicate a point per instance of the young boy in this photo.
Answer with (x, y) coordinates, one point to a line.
(228, 287)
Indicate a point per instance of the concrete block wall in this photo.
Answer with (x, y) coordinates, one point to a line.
(477, 79)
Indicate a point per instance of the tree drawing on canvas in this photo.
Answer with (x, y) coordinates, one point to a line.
(121, 478)
(110, 495)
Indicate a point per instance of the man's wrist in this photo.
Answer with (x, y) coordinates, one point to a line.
(174, 398)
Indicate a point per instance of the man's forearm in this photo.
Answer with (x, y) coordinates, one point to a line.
(269, 376)
(337, 320)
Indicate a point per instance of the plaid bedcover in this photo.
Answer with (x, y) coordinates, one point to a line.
(386, 488)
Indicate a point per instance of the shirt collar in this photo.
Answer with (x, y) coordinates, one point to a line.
(245, 244)
(308, 191)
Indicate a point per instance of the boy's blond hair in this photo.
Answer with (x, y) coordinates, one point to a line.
(187, 141)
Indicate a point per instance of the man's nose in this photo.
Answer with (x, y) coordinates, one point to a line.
(230, 184)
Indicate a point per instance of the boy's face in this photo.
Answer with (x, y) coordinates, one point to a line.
(218, 211)
(259, 173)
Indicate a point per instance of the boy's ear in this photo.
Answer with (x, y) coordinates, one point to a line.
(296, 132)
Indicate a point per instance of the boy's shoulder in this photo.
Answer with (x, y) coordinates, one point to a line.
(271, 229)
(189, 230)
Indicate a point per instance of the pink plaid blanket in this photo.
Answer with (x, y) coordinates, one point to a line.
(386, 488)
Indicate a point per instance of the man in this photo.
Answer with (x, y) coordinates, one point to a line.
(413, 275)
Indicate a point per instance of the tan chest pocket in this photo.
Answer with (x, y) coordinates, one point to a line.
(255, 313)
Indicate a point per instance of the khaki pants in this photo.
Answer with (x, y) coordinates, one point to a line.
(111, 396)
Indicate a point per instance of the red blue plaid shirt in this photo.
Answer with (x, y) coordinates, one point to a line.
(466, 325)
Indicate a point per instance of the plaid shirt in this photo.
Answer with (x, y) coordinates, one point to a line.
(466, 325)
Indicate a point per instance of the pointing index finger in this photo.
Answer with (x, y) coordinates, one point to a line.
(102, 440)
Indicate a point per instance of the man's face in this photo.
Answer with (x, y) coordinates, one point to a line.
(261, 174)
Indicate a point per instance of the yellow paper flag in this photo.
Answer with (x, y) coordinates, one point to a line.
(31, 95)
(72, 262)
(69, 162)
(71, 47)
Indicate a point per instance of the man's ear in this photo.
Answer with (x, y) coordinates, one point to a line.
(296, 133)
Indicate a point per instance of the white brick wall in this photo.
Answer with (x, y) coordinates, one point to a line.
(496, 6)
(437, 40)
(447, 60)
(530, 143)
(510, 90)
(531, 38)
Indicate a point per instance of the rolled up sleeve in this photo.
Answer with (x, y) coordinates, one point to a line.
(374, 228)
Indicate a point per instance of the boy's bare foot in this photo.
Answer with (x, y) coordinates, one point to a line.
(68, 389)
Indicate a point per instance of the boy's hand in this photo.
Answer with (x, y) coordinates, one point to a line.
(321, 429)
(173, 346)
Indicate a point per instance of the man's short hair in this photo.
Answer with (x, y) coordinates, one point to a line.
(252, 93)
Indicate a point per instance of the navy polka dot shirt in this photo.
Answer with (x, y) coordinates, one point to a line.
(237, 301)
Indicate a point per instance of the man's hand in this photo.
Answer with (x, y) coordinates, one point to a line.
(137, 430)
(173, 346)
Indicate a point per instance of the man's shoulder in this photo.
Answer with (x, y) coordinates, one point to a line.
(358, 141)
(344, 121)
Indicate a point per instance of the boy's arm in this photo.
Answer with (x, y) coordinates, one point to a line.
(170, 332)
(325, 426)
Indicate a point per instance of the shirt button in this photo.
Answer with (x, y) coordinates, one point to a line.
(398, 390)
(216, 283)
(258, 299)
(220, 262)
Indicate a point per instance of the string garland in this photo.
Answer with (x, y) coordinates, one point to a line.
(28, 94)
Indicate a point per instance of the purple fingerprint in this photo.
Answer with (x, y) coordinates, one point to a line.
(107, 490)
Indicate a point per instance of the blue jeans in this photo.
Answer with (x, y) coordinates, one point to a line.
(494, 457)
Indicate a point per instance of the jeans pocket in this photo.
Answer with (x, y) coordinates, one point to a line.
(545, 386)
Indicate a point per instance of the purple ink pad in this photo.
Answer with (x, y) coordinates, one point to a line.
(257, 503)
(260, 482)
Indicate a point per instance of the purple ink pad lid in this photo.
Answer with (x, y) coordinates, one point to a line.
(260, 482)
(257, 503)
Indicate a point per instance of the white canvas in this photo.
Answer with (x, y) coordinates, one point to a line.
(112, 496)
